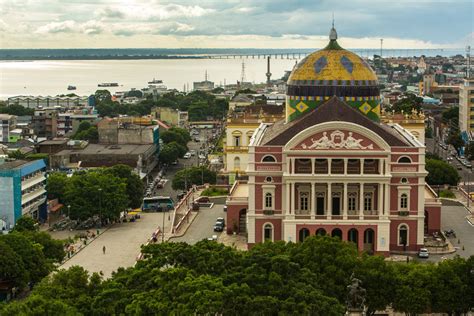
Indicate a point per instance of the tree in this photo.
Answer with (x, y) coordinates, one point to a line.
(172, 136)
(102, 96)
(91, 134)
(456, 141)
(56, 185)
(180, 148)
(17, 154)
(16, 109)
(12, 268)
(408, 103)
(96, 194)
(440, 172)
(193, 175)
(168, 154)
(183, 132)
(84, 126)
(26, 223)
(31, 255)
(134, 186)
(53, 249)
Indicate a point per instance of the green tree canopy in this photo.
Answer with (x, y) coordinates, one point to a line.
(134, 184)
(408, 103)
(16, 109)
(440, 172)
(12, 268)
(193, 175)
(56, 185)
(26, 224)
(168, 153)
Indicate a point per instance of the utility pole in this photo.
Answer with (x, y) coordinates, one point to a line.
(268, 74)
(468, 58)
(100, 207)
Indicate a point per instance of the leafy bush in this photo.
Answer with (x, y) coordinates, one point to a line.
(214, 192)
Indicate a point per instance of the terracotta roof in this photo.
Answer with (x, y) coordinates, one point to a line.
(332, 110)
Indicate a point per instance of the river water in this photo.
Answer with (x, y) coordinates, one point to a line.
(51, 77)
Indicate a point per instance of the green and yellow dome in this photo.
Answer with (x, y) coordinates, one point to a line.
(332, 71)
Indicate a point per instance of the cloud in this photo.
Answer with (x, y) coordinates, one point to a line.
(58, 27)
(110, 13)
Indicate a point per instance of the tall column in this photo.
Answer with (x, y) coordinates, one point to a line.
(287, 197)
(379, 199)
(292, 166)
(362, 166)
(345, 166)
(386, 209)
(329, 198)
(292, 198)
(361, 200)
(344, 203)
(313, 200)
(312, 166)
(329, 165)
(381, 162)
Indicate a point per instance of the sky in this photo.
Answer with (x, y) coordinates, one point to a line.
(235, 23)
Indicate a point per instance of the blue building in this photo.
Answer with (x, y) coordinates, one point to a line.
(22, 191)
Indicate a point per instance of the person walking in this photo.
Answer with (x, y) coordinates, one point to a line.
(103, 250)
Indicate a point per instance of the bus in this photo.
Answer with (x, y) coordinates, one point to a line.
(158, 203)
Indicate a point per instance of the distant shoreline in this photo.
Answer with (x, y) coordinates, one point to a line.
(100, 58)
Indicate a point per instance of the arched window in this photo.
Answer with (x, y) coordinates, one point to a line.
(404, 180)
(268, 158)
(268, 179)
(268, 200)
(403, 235)
(268, 232)
(336, 232)
(321, 232)
(404, 160)
(404, 201)
(236, 163)
(304, 233)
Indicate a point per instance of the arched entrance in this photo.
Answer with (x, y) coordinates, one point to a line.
(242, 221)
(336, 232)
(353, 236)
(321, 232)
(304, 232)
(369, 240)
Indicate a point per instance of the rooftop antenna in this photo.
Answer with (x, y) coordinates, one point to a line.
(333, 20)
(333, 33)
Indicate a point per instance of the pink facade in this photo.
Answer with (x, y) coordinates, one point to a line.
(347, 177)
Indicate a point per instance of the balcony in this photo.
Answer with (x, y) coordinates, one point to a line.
(32, 195)
(28, 183)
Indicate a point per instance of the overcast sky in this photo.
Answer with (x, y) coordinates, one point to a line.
(235, 23)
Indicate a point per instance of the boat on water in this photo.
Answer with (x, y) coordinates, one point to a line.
(108, 84)
(155, 81)
(71, 87)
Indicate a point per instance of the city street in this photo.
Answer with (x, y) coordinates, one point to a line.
(203, 224)
(122, 243)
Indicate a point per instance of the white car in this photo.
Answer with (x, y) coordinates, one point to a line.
(423, 253)
(201, 156)
(187, 155)
(192, 152)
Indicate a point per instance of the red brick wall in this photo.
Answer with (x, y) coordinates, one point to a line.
(277, 229)
(412, 234)
(233, 215)
(434, 218)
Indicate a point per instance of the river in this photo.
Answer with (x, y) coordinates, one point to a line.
(51, 77)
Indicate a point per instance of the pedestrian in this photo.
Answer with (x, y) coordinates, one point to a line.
(103, 250)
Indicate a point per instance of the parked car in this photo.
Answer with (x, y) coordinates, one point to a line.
(196, 139)
(423, 253)
(203, 199)
(220, 220)
(192, 152)
(218, 227)
(202, 157)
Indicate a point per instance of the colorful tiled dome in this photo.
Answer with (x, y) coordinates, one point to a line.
(332, 71)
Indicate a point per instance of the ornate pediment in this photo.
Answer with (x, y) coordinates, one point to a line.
(337, 139)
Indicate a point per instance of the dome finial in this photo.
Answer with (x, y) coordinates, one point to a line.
(333, 33)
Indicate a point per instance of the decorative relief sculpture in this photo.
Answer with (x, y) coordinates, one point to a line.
(337, 140)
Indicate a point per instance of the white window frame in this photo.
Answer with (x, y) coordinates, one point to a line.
(352, 196)
(272, 233)
(304, 195)
(403, 190)
(268, 188)
(368, 195)
(403, 202)
(268, 201)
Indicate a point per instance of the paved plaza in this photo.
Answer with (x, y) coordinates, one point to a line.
(122, 243)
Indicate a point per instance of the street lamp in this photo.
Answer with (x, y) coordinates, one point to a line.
(69, 211)
(100, 207)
